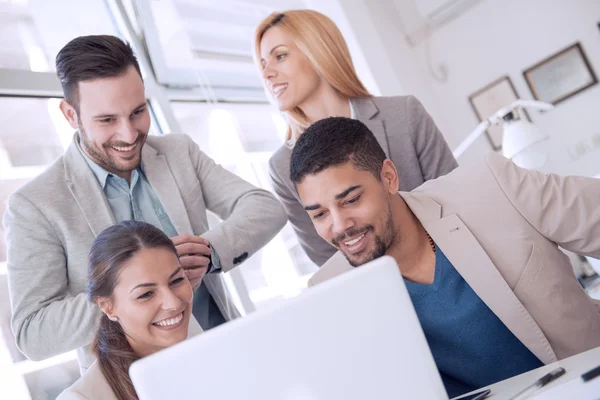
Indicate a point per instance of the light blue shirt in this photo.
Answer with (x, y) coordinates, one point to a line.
(138, 201)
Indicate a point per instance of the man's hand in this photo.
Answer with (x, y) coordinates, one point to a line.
(194, 256)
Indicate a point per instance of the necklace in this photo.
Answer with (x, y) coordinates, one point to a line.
(431, 242)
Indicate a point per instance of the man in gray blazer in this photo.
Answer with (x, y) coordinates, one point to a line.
(115, 171)
(478, 249)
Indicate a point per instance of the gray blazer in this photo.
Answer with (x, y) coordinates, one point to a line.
(52, 221)
(409, 138)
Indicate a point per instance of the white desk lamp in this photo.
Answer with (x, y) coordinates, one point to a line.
(522, 142)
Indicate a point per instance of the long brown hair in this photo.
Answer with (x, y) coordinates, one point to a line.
(319, 38)
(111, 250)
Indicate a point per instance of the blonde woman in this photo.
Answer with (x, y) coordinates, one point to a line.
(308, 72)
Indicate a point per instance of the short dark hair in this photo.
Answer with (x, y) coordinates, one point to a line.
(334, 141)
(91, 57)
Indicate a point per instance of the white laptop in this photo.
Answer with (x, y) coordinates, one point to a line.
(355, 337)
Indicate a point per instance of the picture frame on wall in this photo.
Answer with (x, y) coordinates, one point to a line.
(489, 99)
(561, 75)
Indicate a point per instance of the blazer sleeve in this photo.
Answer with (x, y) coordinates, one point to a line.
(564, 209)
(315, 247)
(435, 157)
(46, 319)
(251, 216)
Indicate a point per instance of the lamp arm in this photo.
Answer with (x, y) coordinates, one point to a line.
(538, 105)
(496, 118)
(465, 144)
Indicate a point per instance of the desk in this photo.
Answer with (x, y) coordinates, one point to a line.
(574, 366)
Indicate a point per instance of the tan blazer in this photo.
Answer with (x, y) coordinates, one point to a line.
(500, 226)
(52, 221)
(409, 138)
(93, 385)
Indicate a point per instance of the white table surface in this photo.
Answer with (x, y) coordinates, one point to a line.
(574, 367)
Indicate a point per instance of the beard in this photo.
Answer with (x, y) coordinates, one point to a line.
(103, 158)
(383, 241)
(379, 251)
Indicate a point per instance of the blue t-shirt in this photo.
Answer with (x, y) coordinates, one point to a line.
(471, 346)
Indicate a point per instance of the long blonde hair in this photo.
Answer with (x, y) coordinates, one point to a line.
(319, 38)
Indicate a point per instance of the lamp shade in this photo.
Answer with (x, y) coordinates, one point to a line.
(523, 143)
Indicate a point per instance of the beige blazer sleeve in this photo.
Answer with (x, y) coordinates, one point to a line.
(251, 216)
(38, 285)
(564, 209)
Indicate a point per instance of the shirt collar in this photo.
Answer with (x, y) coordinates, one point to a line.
(100, 173)
(352, 110)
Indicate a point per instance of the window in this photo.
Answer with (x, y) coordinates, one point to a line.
(242, 137)
(201, 43)
(27, 143)
(34, 133)
(29, 30)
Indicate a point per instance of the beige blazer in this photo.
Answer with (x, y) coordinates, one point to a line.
(500, 226)
(52, 221)
(93, 384)
(409, 138)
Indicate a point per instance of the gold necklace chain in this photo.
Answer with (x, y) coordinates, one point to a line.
(431, 242)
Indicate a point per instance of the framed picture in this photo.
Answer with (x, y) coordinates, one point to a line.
(491, 98)
(561, 75)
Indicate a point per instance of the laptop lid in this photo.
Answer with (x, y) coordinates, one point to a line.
(354, 337)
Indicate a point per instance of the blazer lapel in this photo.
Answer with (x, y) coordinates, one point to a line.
(164, 185)
(86, 190)
(473, 264)
(365, 111)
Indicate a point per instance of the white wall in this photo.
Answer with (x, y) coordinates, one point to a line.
(491, 39)
(400, 71)
(385, 62)
(60, 21)
(505, 37)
